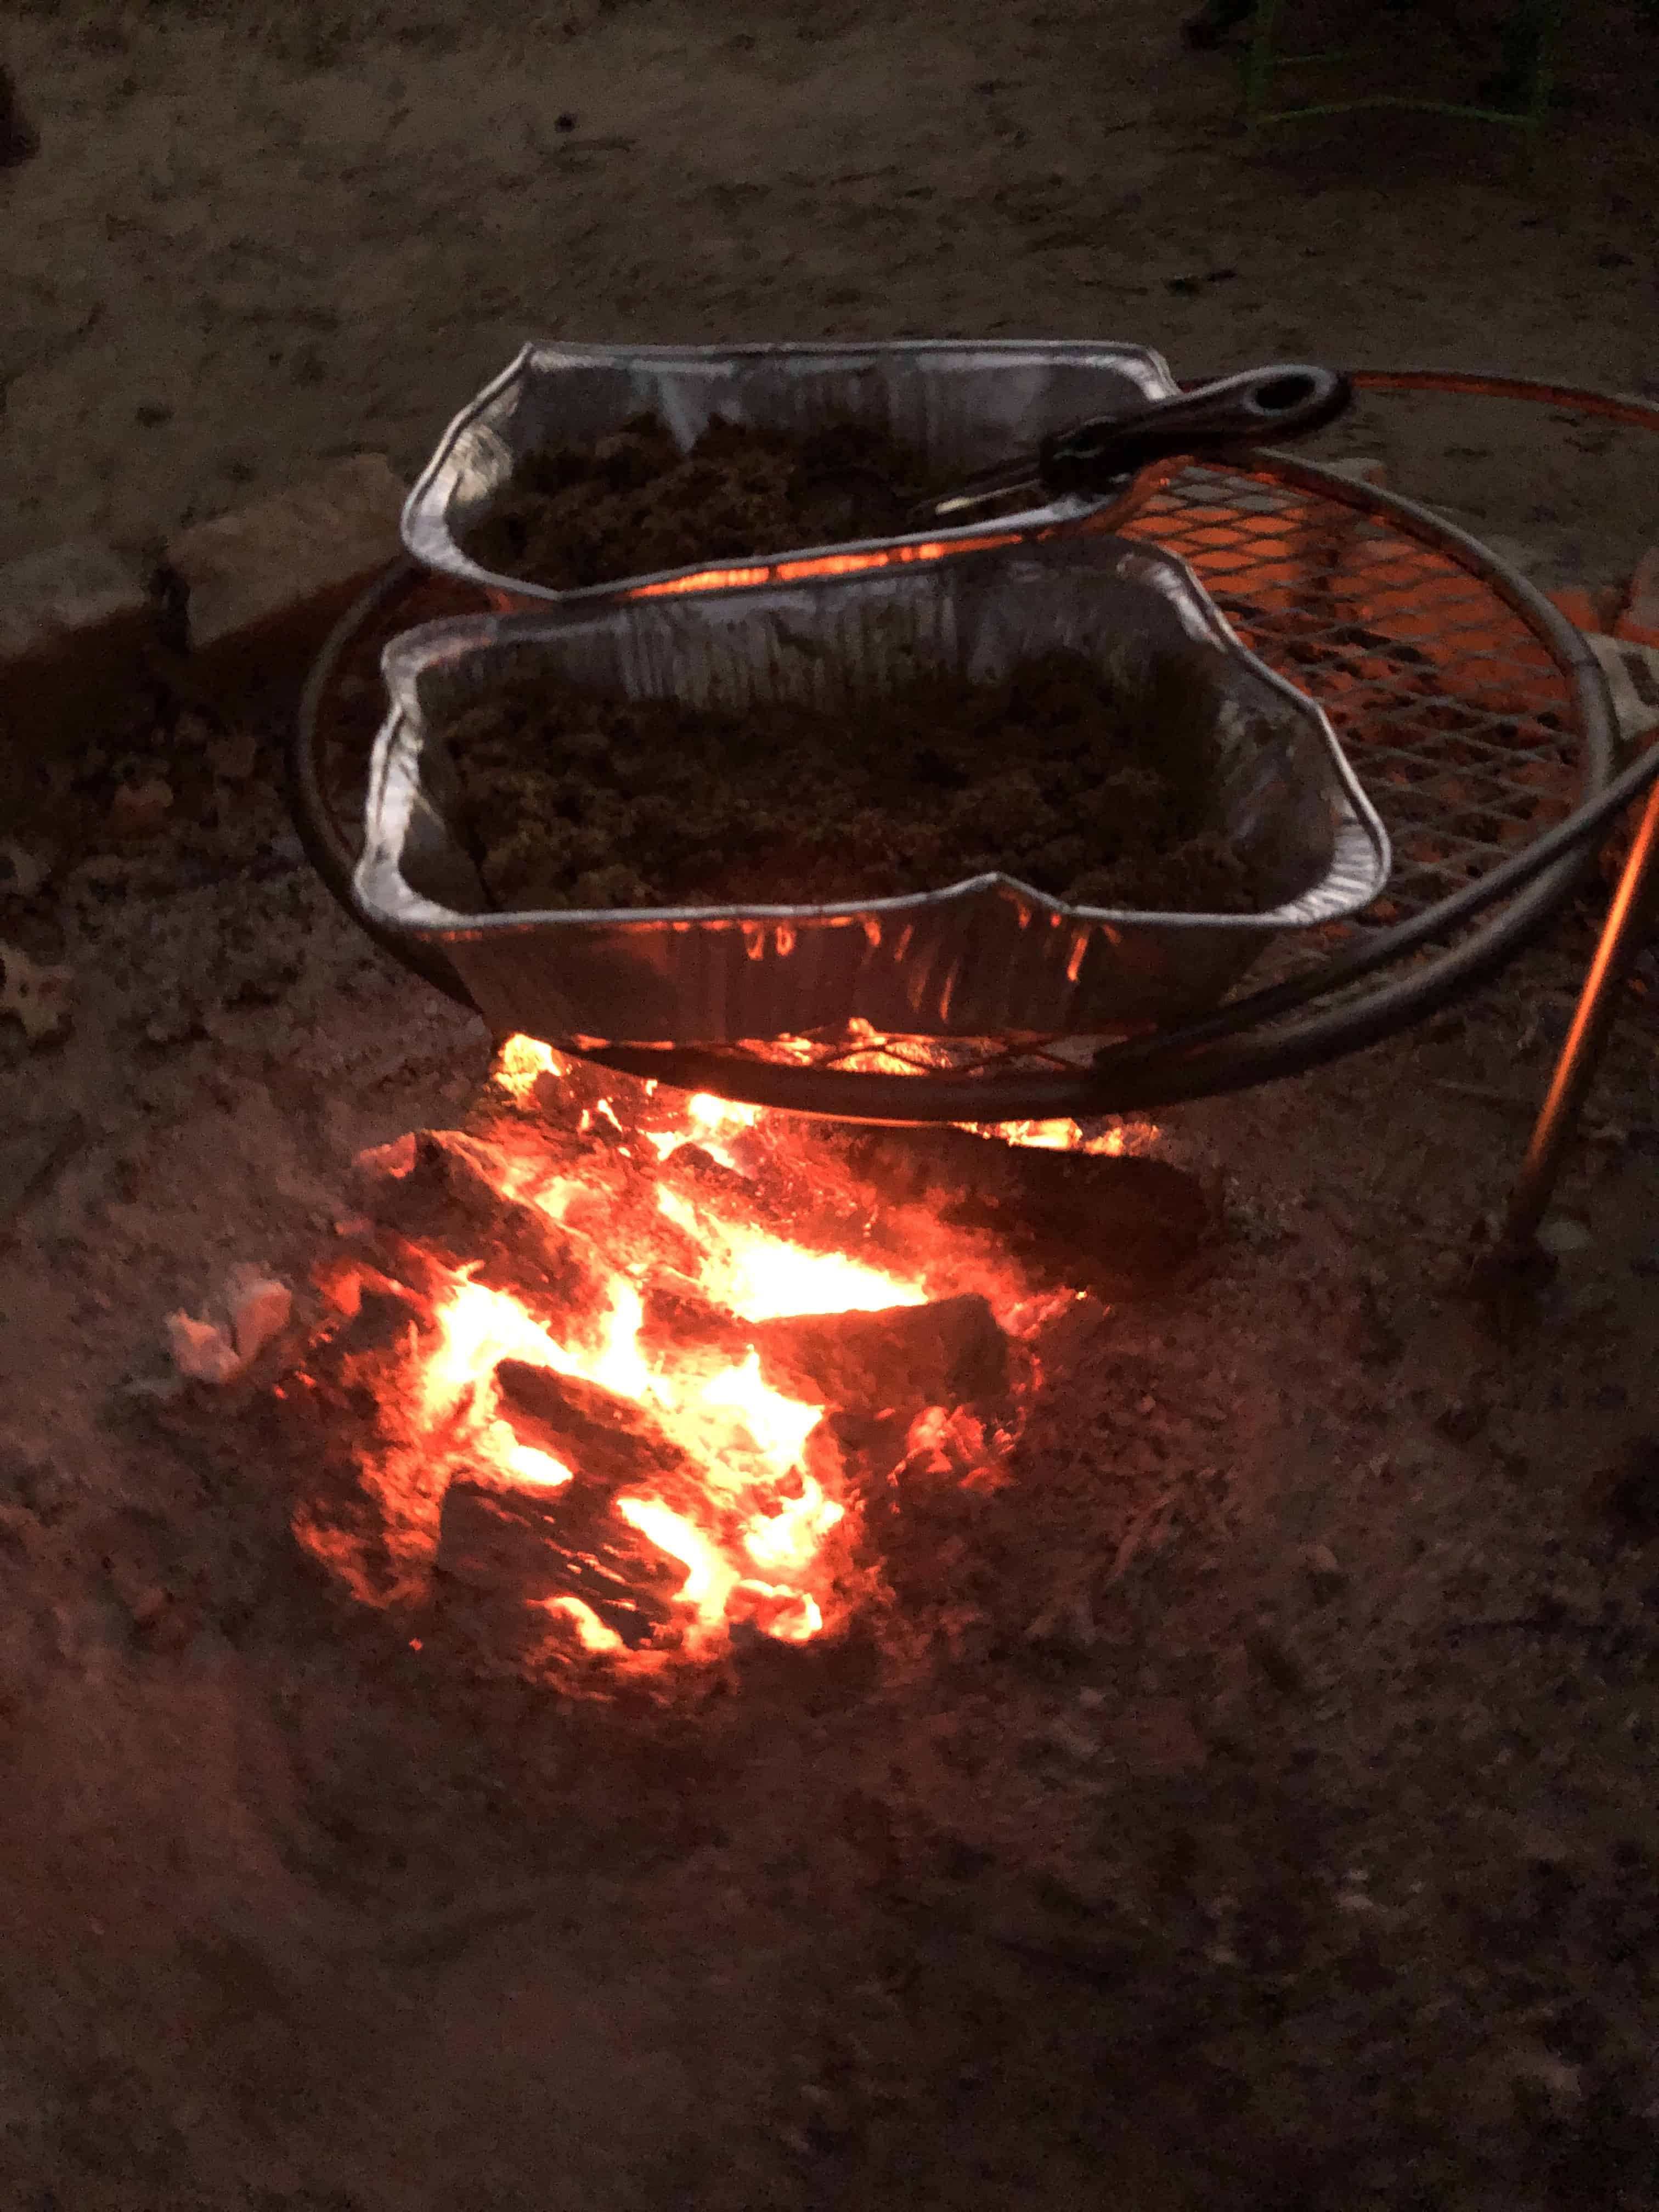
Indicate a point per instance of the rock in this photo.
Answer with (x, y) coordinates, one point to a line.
(251, 1309)
(1066, 1625)
(1326, 1577)
(1364, 468)
(259, 1308)
(37, 997)
(1590, 607)
(1526, 2081)
(1076, 1743)
(147, 1606)
(1561, 1235)
(259, 587)
(21, 874)
(202, 1350)
(140, 810)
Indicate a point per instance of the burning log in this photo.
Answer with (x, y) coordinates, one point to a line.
(450, 1198)
(532, 1545)
(681, 1499)
(696, 1168)
(450, 1192)
(1119, 1225)
(678, 1316)
(950, 1352)
(601, 1436)
(369, 1507)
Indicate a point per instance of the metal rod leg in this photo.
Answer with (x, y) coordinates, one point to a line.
(1581, 1054)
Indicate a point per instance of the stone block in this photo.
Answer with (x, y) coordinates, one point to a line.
(75, 624)
(1591, 607)
(1363, 468)
(256, 591)
(1639, 622)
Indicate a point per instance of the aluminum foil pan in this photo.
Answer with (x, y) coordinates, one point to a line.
(986, 958)
(962, 408)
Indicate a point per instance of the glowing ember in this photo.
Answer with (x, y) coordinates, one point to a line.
(761, 1278)
(649, 1294)
(520, 1062)
(590, 1630)
(477, 1329)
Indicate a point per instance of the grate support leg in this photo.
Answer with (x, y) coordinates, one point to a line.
(1581, 1054)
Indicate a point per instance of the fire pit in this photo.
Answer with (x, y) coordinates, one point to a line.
(622, 1380)
(456, 1450)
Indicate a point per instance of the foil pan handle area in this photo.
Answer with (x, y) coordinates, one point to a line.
(960, 408)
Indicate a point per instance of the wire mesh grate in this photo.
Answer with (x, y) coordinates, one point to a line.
(1458, 720)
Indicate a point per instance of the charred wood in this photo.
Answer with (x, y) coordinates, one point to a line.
(1119, 1225)
(951, 1352)
(449, 1199)
(605, 1438)
(532, 1545)
(679, 1317)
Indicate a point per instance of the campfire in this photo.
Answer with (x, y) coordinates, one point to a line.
(636, 1376)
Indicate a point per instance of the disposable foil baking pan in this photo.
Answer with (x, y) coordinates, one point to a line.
(960, 408)
(986, 958)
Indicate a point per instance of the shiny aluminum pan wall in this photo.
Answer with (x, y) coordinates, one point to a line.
(962, 408)
(986, 958)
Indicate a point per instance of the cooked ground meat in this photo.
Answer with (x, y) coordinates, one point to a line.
(581, 798)
(631, 502)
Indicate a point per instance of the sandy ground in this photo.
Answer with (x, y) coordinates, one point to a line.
(1319, 1872)
(257, 238)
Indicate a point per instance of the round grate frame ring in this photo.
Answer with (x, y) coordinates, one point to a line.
(1476, 716)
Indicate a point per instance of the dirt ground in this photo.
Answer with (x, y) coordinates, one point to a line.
(1307, 1859)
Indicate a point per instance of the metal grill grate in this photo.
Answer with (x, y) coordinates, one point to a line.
(1458, 721)
(1461, 722)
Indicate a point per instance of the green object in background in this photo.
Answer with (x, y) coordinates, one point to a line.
(1519, 94)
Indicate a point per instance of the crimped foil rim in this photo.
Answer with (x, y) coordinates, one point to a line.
(384, 890)
(427, 535)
